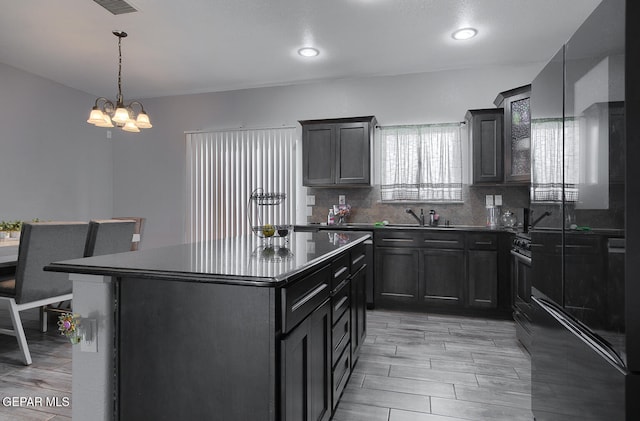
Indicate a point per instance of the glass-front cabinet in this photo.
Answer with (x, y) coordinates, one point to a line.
(517, 133)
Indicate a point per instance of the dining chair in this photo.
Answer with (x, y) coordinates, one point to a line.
(109, 236)
(41, 243)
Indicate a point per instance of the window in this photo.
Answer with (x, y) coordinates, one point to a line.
(421, 163)
(224, 167)
(554, 160)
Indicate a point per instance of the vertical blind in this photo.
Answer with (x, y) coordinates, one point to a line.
(225, 167)
(421, 163)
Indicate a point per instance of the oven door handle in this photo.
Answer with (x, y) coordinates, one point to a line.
(521, 257)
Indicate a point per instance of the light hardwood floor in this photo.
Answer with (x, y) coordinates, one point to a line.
(413, 367)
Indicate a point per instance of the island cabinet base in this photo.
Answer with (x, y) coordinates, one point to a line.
(268, 342)
(195, 351)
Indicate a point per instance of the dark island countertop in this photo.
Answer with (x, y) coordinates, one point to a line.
(242, 260)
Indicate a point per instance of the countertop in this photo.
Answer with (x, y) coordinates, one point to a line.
(364, 226)
(242, 260)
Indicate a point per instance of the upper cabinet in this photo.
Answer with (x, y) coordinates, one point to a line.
(517, 133)
(337, 152)
(486, 142)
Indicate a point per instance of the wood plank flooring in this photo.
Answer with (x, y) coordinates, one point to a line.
(413, 367)
(427, 367)
(48, 377)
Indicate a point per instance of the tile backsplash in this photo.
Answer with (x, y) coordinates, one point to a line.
(367, 207)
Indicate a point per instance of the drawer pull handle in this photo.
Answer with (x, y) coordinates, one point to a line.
(342, 270)
(398, 240)
(341, 302)
(358, 259)
(302, 301)
(441, 241)
(484, 243)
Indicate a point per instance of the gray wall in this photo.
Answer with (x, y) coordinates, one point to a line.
(149, 168)
(53, 165)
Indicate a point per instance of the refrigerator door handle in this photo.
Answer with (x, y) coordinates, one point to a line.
(596, 343)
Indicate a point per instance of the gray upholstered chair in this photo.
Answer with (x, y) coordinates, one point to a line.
(109, 236)
(40, 244)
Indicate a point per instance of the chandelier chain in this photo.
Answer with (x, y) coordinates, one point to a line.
(120, 70)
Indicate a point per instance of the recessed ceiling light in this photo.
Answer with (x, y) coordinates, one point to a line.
(308, 52)
(464, 33)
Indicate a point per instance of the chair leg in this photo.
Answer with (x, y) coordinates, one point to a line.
(17, 326)
(44, 319)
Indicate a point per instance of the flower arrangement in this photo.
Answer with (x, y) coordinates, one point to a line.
(68, 325)
(342, 213)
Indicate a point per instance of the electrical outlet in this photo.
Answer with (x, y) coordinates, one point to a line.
(488, 200)
(89, 339)
(108, 134)
(342, 200)
(311, 200)
(497, 200)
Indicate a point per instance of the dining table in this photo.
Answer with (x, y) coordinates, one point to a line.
(8, 254)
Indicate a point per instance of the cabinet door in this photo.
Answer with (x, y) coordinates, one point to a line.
(443, 277)
(517, 130)
(358, 312)
(397, 275)
(353, 149)
(318, 154)
(486, 133)
(306, 369)
(483, 278)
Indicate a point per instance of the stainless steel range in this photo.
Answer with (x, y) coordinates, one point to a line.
(521, 287)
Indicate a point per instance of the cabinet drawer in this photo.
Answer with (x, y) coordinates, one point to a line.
(340, 270)
(303, 296)
(341, 299)
(443, 240)
(398, 239)
(358, 258)
(341, 373)
(482, 241)
(341, 335)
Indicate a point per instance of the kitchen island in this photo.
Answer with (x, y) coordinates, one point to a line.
(232, 329)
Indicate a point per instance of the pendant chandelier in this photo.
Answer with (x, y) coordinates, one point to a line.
(105, 114)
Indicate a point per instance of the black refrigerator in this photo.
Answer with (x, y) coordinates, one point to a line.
(585, 351)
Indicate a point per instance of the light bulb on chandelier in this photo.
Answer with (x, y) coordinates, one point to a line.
(105, 114)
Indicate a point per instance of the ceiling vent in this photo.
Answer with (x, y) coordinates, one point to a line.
(117, 7)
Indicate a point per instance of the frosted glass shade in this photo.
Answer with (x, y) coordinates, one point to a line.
(96, 117)
(121, 116)
(143, 121)
(130, 126)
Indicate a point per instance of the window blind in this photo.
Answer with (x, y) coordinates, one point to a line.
(225, 167)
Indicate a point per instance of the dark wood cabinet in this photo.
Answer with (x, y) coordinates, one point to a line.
(443, 277)
(517, 133)
(358, 312)
(337, 151)
(486, 134)
(483, 278)
(443, 270)
(306, 368)
(397, 274)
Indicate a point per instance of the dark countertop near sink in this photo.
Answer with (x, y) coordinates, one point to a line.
(371, 227)
(245, 260)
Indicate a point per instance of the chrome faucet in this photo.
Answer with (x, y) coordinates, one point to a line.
(420, 219)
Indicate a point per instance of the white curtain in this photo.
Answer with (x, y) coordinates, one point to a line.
(554, 160)
(421, 163)
(225, 167)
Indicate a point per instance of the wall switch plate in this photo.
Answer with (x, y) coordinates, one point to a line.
(311, 200)
(497, 200)
(342, 200)
(309, 211)
(488, 200)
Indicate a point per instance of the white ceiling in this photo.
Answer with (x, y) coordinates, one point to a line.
(193, 46)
